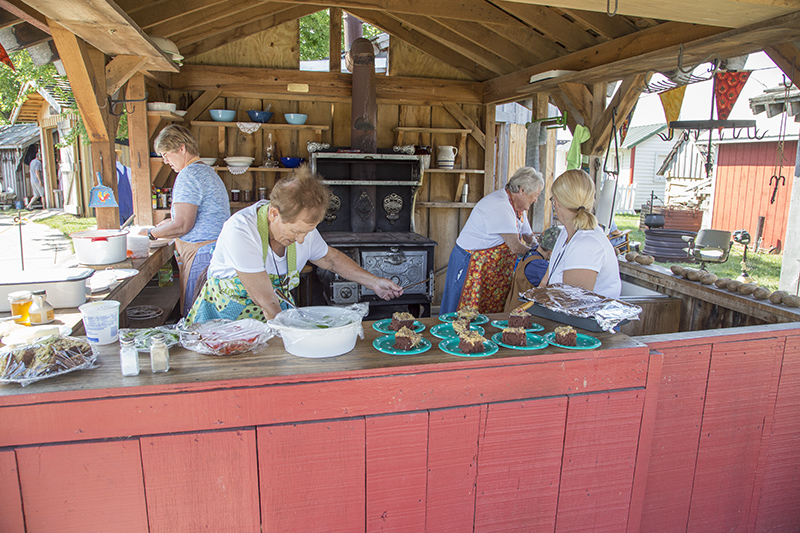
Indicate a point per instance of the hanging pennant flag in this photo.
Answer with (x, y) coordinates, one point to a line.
(672, 101)
(5, 59)
(623, 128)
(727, 87)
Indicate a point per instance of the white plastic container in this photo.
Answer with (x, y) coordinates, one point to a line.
(138, 245)
(101, 321)
(318, 332)
(101, 246)
(66, 287)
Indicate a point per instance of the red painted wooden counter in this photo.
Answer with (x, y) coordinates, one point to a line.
(550, 440)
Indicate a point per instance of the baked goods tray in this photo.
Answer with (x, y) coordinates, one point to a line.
(588, 324)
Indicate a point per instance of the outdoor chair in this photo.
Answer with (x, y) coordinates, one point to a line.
(620, 240)
(709, 246)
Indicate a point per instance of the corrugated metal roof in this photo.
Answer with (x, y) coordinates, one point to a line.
(18, 135)
(640, 134)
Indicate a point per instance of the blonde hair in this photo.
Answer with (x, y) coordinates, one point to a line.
(301, 191)
(173, 137)
(574, 190)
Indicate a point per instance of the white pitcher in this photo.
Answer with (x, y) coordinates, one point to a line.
(446, 156)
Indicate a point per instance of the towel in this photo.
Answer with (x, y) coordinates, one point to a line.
(580, 136)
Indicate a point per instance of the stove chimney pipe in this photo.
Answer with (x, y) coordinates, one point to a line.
(363, 134)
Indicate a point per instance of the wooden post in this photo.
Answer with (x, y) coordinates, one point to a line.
(335, 64)
(489, 153)
(541, 206)
(141, 180)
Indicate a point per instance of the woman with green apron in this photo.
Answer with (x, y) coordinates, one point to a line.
(262, 248)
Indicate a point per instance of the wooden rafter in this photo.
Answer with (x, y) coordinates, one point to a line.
(24, 12)
(120, 69)
(631, 46)
(200, 104)
(602, 24)
(501, 44)
(466, 121)
(147, 14)
(444, 35)
(424, 43)
(564, 105)
(581, 98)
(787, 57)
(245, 30)
(551, 24)
(217, 17)
(532, 41)
(623, 101)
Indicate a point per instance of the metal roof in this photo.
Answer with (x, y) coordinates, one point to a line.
(639, 134)
(18, 136)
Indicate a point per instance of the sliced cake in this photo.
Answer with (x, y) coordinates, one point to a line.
(515, 337)
(401, 320)
(566, 336)
(468, 312)
(520, 318)
(471, 342)
(460, 325)
(405, 339)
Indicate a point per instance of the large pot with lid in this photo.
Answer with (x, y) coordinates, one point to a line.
(101, 246)
(322, 331)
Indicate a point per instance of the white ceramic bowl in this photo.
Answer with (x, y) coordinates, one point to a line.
(161, 106)
(210, 161)
(239, 161)
(100, 246)
(318, 332)
(295, 118)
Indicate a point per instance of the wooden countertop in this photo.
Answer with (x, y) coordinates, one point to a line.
(271, 365)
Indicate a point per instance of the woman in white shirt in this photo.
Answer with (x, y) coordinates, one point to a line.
(583, 255)
(262, 249)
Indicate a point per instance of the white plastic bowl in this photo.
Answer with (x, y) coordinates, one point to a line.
(210, 161)
(161, 106)
(239, 161)
(100, 246)
(301, 337)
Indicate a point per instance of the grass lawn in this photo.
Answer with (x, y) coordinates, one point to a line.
(67, 224)
(765, 269)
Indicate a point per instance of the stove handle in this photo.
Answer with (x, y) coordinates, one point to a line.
(395, 256)
(430, 285)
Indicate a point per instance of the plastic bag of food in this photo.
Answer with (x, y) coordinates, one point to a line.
(45, 358)
(225, 337)
(141, 337)
(581, 303)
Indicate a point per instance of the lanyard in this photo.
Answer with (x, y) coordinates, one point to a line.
(281, 284)
(519, 214)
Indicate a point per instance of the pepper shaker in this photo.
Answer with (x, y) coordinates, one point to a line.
(159, 353)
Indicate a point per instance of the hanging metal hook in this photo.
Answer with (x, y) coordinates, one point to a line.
(755, 136)
(613, 139)
(112, 103)
(608, 8)
(668, 137)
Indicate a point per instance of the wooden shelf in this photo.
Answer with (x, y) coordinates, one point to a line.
(260, 169)
(455, 170)
(165, 115)
(415, 129)
(268, 126)
(446, 205)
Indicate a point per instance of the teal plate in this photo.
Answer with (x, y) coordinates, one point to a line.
(383, 326)
(449, 317)
(585, 342)
(503, 324)
(534, 342)
(451, 346)
(446, 331)
(384, 344)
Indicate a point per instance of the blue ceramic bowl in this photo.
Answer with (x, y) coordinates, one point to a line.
(223, 115)
(292, 162)
(259, 116)
(295, 118)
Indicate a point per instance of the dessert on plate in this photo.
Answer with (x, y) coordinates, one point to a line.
(471, 342)
(401, 320)
(520, 318)
(460, 325)
(405, 339)
(468, 312)
(515, 336)
(566, 336)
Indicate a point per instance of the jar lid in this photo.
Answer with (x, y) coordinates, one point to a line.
(19, 295)
(40, 291)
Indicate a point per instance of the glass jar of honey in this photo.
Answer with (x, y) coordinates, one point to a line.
(20, 305)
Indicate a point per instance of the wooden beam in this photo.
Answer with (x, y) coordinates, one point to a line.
(501, 43)
(565, 106)
(200, 104)
(148, 14)
(787, 57)
(322, 85)
(466, 47)
(536, 44)
(422, 42)
(335, 42)
(580, 97)
(141, 180)
(489, 155)
(623, 101)
(240, 32)
(551, 24)
(120, 69)
(605, 26)
(504, 88)
(105, 26)
(24, 12)
(74, 56)
(467, 122)
(215, 18)
(24, 36)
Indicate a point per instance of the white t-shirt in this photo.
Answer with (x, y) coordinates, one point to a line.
(491, 216)
(590, 250)
(239, 248)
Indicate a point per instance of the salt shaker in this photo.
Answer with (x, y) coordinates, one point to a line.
(159, 353)
(128, 357)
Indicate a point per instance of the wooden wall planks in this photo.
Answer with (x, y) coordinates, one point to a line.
(96, 486)
(11, 517)
(396, 463)
(201, 481)
(313, 474)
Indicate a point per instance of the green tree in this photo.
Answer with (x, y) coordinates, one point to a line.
(12, 81)
(315, 35)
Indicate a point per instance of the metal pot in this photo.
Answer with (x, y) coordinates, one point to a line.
(100, 246)
(654, 220)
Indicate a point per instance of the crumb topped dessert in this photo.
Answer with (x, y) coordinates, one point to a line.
(460, 325)
(520, 318)
(471, 342)
(566, 336)
(470, 313)
(405, 339)
(401, 320)
(515, 336)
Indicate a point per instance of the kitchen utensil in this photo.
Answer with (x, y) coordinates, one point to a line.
(13, 317)
(101, 195)
(100, 247)
(295, 118)
(654, 220)
(128, 222)
(417, 283)
(222, 115)
(292, 162)
(446, 157)
(161, 106)
(259, 116)
(239, 161)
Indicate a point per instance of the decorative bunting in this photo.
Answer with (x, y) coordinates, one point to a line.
(672, 101)
(623, 128)
(5, 59)
(727, 87)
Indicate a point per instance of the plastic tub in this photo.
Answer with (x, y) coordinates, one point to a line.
(101, 321)
(138, 246)
(66, 287)
(100, 246)
(318, 332)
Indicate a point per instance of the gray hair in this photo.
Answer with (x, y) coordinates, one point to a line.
(525, 179)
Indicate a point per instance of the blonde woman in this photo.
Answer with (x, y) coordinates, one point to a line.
(582, 255)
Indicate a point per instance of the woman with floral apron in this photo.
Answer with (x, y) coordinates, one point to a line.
(262, 248)
(497, 232)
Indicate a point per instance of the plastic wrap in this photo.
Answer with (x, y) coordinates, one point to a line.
(46, 357)
(580, 303)
(141, 337)
(225, 337)
(323, 331)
